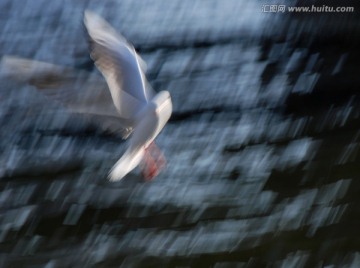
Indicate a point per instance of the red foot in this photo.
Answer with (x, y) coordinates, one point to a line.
(154, 161)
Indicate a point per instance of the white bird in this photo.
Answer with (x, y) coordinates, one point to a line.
(131, 106)
(143, 113)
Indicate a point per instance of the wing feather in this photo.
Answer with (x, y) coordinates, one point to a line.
(79, 91)
(119, 63)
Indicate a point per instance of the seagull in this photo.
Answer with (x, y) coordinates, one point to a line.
(130, 107)
(143, 113)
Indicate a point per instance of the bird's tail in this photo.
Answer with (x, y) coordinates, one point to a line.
(125, 164)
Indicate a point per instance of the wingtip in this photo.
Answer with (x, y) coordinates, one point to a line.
(97, 26)
(88, 16)
(92, 20)
(88, 13)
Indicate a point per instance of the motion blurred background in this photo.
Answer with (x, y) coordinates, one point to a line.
(262, 148)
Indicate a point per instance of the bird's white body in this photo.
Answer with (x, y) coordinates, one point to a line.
(149, 123)
(131, 108)
(145, 113)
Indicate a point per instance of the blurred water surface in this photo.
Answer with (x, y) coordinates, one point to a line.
(262, 147)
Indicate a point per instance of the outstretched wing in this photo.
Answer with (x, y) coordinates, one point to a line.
(118, 61)
(79, 91)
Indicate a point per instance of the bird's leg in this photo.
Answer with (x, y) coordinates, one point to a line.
(157, 155)
(154, 161)
(151, 171)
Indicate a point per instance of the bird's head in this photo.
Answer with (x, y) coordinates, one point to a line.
(162, 100)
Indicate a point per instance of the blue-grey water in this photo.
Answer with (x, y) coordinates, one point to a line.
(262, 148)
